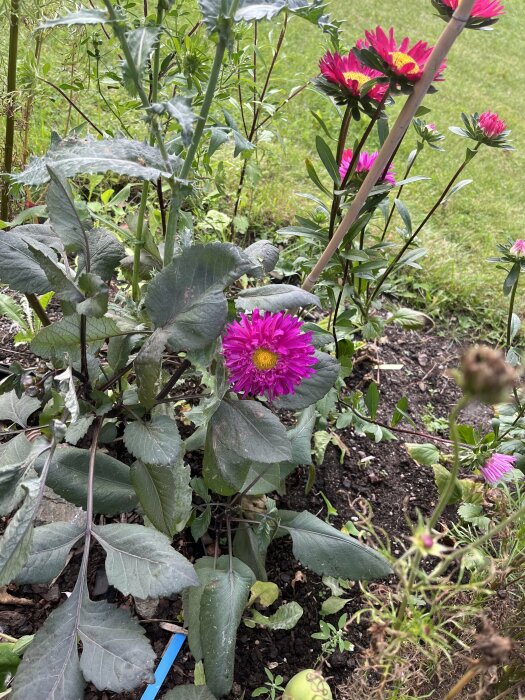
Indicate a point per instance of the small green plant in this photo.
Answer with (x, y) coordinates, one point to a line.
(271, 688)
(432, 423)
(333, 638)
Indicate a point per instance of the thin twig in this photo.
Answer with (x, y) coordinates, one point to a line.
(173, 380)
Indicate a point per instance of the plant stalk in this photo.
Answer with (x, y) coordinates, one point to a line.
(419, 148)
(508, 344)
(11, 106)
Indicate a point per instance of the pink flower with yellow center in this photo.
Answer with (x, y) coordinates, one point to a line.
(351, 75)
(496, 467)
(491, 125)
(268, 354)
(483, 9)
(401, 60)
(364, 163)
(518, 248)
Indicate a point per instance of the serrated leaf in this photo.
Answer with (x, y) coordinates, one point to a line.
(17, 410)
(179, 108)
(275, 297)
(83, 15)
(105, 251)
(49, 552)
(423, 453)
(50, 669)
(286, 617)
(68, 477)
(186, 299)
(141, 43)
(63, 337)
(19, 267)
(73, 156)
(15, 543)
(115, 653)
(164, 494)
(313, 388)
(141, 561)
(155, 442)
(326, 550)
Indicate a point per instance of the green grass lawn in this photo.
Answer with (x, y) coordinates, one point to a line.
(484, 72)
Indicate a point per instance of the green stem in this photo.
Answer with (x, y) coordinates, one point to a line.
(511, 311)
(9, 142)
(419, 148)
(410, 240)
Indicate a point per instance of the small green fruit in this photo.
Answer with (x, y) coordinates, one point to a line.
(307, 685)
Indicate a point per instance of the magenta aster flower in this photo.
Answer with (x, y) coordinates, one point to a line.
(483, 14)
(518, 248)
(401, 61)
(364, 163)
(350, 75)
(491, 125)
(496, 467)
(268, 354)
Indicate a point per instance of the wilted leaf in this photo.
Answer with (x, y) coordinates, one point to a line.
(286, 617)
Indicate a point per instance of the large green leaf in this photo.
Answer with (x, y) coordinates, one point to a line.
(49, 552)
(115, 653)
(141, 561)
(15, 457)
(73, 156)
(255, 10)
(62, 284)
(17, 410)
(105, 252)
(313, 388)
(247, 548)
(50, 669)
(275, 297)
(148, 365)
(64, 217)
(328, 551)
(243, 434)
(19, 267)
(15, 543)
(141, 43)
(68, 477)
(301, 439)
(164, 493)
(264, 256)
(186, 299)
(155, 442)
(63, 337)
(179, 108)
(219, 604)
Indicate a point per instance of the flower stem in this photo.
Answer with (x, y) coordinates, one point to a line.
(419, 148)
(511, 311)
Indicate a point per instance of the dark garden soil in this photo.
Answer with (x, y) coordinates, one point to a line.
(411, 364)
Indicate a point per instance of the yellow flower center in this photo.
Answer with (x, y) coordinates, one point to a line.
(264, 359)
(400, 60)
(360, 78)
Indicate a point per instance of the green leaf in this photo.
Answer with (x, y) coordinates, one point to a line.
(154, 442)
(179, 108)
(301, 439)
(72, 156)
(63, 336)
(510, 279)
(244, 432)
(423, 453)
(141, 43)
(115, 653)
(141, 561)
(372, 399)
(442, 477)
(264, 256)
(68, 477)
(328, 160)
(333, 605)
(409, 319)
(264, 592)
(164, 494)
(19, 267)
(286, 617)
(400, 412)
(515, 325)
(246, 548)
(222, 605)
(147, 366)
(83, 15)
(15, 457)
(275, 297)
(405, 216)
(50, 669)
(190, 692)
(325, 550)
(315, 387)
(15, 543)
(105, 252)
(64, 217)
(17, 410)
(96, 292)
(186, 299)
(49, 552)
(63, 286)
